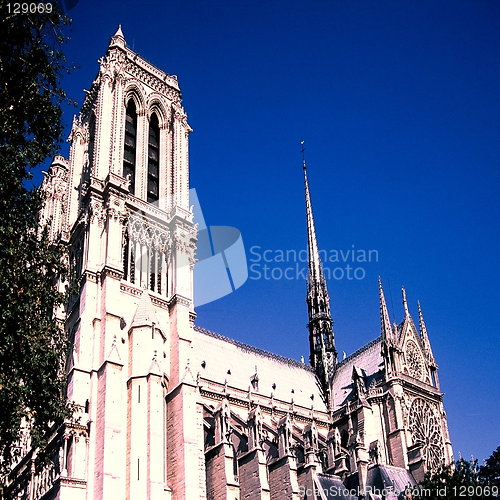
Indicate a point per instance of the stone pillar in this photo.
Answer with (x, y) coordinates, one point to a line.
(398, 443)
(110, 432)
(104, 119)
(185, 459)
(362, 460)
(283, 481)
(312, 467)
(252, 465)
(221, 463)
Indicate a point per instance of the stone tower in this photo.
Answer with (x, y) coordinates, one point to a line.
(121, 202)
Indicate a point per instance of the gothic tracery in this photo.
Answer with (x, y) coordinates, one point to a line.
(414, 360)
(426, 431)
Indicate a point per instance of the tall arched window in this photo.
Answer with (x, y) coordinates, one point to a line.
(90, 149)
(130, 142)
(153, 159)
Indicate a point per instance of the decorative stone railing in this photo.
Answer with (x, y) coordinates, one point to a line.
(44, 480)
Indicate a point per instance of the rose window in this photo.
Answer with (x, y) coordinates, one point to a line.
(426, 431)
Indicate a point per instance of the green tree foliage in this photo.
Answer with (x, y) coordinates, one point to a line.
(463, 479)
(32, 344)
(490, 471)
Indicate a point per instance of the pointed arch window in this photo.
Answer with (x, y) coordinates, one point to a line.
(130, 144)
(153, 159)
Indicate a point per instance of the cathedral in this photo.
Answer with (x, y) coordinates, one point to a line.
(167, 410)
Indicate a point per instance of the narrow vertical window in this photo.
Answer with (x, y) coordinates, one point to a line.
(433, 377)
(126, 251)
(152, 269)
(91, 146)
(130, 145)
(131, 276)
(153, 159)
(159, 271)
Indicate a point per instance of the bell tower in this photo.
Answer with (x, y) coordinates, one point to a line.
(121, 201)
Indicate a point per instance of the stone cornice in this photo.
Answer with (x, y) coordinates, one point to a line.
(111, 272)
(412, 383)
(179, 299)
(73, 481)
(135, 291)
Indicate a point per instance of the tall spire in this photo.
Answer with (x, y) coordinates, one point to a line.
(315, 269)
(385, 322)
(323, 356)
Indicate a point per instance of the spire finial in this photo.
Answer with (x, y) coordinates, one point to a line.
(119, 31)
(303, 151)
(405, 302)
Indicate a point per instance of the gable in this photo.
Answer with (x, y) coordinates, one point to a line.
(413, 360)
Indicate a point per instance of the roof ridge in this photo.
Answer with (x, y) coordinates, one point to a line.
(254, 349)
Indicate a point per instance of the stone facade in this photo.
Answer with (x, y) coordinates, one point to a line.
(165, 409)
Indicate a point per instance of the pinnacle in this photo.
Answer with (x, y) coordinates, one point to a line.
(119, 32)
(118, 38)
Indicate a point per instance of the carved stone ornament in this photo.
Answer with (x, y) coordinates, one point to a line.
(97, 212)
(146, 233)
(112, 66)
(116, 210)
(153, 82)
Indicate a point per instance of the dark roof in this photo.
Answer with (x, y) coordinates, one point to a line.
(382, 478)
(362, 349)
(333, 487)
(368, 359)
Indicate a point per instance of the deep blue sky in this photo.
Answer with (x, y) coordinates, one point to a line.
(399, 104)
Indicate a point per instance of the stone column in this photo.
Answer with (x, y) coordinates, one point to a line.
(283, 481)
